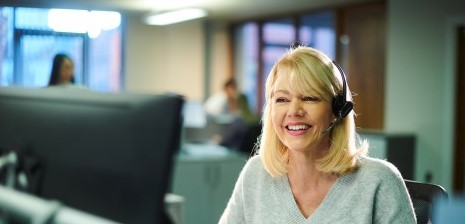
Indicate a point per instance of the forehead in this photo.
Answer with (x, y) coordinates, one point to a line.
(67, 61)
(283, 81)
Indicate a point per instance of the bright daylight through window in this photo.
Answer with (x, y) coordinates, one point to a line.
(31, 37)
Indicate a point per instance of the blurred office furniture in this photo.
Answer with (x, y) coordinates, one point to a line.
(449, 210)
(205, 175)
(397, 148)
(108, 154)
(226, 129)
(174, 208)
(198, 127)
(423, 196)
(250, 143)
(22, 208)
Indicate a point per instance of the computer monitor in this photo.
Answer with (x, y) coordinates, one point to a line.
(109, 154)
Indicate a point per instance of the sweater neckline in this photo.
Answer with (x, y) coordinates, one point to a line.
(284, 194)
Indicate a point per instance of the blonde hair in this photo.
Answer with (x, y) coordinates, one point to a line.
(313, 72)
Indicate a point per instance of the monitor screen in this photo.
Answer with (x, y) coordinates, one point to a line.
(109, 154)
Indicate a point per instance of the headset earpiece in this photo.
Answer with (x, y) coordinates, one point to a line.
(342, 106)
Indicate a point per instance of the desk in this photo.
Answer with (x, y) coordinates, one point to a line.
(205, 176)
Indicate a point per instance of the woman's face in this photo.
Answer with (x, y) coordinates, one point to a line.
(66, 70)
(299, 120)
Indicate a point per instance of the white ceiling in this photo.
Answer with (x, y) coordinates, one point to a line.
(218, 9)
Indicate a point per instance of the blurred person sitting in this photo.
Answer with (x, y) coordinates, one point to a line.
(231, 109)
(230, 102)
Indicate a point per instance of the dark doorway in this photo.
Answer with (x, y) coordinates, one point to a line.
(459, 150)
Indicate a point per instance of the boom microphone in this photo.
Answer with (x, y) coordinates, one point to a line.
(330, 127)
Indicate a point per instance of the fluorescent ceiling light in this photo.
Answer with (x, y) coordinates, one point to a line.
(174, 16)
(83, 21)
(66, 20)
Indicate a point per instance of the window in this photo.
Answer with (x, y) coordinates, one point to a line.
(317, 30)
(246, 60)
(6, 46)
(30, 37)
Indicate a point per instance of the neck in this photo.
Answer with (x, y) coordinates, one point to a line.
(303, 169)
(305, 176)
(302, 165)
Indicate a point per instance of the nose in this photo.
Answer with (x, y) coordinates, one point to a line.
(295, 108)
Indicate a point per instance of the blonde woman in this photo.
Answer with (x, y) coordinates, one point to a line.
(310, 168)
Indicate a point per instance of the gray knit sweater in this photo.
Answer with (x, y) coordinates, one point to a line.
(375, 193)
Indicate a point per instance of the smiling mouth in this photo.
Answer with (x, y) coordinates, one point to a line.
(298, 127)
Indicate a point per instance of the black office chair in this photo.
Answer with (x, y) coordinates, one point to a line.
(423, 196)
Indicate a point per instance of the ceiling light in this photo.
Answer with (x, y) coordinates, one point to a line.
(66, 20)
(175, 16)
(83, 21)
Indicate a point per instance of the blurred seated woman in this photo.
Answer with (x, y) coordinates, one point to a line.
(62, 71)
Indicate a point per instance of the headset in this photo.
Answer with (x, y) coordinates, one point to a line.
(340, 105)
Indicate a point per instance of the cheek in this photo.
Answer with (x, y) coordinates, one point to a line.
(274, 120)
(326, 116)
(64, 71)
(277, 119)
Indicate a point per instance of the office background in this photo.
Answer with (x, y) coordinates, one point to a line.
(420, 72)
(419, 80)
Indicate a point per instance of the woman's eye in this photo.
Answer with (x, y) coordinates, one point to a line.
(309, 98)
(281, 100)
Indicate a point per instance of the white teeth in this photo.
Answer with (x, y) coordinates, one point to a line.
(297, 127)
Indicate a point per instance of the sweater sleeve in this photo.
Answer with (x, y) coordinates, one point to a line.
(234, 212)
(392, 201)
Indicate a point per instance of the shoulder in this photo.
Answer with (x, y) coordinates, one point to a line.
(214, 104)
(217, 96)
(376, 177)
(242, 96)
(385, 183)
(254, 165)
(378, 169)
(254, 171)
